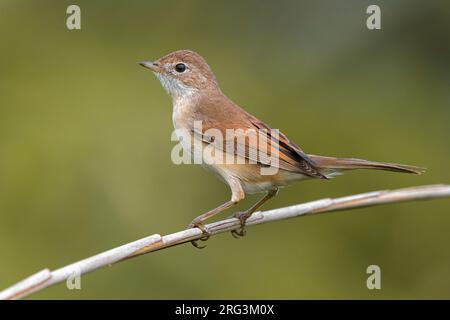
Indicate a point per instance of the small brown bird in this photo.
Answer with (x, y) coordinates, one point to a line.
(196, 97)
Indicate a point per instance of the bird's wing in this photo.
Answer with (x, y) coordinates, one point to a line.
(243, 144)
(290, 155)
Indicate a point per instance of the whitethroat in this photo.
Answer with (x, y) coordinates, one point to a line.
(197, 98)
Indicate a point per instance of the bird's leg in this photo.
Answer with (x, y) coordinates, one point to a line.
(243, 216)
(237, 195)
(198, 222)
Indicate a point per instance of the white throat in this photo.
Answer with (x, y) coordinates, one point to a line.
(175, 88)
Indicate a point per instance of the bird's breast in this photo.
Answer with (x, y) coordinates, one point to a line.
(183, 122)
(182, 114)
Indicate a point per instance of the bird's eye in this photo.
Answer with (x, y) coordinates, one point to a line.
(180, 67)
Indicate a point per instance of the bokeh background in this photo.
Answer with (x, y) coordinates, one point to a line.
(85, 144)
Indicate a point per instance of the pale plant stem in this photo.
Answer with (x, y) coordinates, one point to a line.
(46, 278)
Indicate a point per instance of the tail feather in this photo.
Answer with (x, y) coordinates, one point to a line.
(351, 163)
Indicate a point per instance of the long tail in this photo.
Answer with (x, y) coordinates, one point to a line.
(350, 164)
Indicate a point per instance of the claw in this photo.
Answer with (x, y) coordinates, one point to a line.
(237, 234)
(205, 232)
(241, 232)
(195, 244)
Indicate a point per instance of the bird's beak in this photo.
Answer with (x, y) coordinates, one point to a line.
(150, 65)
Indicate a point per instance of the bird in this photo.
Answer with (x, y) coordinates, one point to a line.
(197, 98)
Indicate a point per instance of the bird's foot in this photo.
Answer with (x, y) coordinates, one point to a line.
(206, 233)
(241, 232)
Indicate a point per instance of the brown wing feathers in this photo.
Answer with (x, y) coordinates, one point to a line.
(290, 157)
(291, 153)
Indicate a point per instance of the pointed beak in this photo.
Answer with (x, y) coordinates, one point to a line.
(150, 65)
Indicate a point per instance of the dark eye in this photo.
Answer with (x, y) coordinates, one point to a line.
(180, 67)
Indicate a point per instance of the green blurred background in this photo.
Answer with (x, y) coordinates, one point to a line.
(85, 144)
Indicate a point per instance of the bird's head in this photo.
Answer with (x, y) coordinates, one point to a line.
(182, 73)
